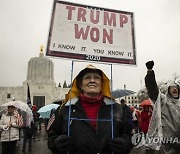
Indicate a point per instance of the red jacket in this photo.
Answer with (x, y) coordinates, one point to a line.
(145, 119)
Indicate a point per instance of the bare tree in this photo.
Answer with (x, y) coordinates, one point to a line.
(64, 84)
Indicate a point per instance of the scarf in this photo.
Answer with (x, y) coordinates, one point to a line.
(91, 107)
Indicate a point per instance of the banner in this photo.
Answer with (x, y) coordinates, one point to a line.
(91, 33)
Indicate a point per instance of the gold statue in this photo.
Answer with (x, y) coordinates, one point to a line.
(41, 48)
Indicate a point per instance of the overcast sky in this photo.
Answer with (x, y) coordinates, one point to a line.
(24, 26)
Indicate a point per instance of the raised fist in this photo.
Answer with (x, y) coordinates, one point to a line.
(150, 64)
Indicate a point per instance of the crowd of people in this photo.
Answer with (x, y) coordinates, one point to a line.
(139, 116)
(91, 121)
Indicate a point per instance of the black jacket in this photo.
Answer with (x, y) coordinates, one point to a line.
(151, 85)
(86, 139)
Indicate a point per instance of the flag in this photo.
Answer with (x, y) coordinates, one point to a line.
(28, 97)
(19, 118)
(50, 122)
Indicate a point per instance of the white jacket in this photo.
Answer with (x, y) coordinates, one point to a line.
(9, 134)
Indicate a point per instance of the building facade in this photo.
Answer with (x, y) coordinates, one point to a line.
(40, 78)
(131, 100)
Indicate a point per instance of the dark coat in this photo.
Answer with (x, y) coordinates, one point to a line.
(86, 139)
(127, 115)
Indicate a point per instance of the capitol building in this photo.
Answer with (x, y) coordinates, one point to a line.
(40, 78)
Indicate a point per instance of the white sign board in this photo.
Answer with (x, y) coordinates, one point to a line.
(91, 33)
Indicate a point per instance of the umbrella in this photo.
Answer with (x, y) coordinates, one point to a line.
(45, 111)
(19, 105)
(122, 92)
(25, 111)
(146, 103)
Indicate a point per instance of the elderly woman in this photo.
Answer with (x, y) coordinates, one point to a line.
(10, 130)
(90, 130)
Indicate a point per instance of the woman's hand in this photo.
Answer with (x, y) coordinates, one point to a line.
(5, 127)
(9, 124)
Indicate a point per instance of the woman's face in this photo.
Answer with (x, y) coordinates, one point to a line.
(91, 84)
(11, 109)
(174, 92)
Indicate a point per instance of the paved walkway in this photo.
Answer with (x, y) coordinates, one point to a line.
(39, 146)
(142, 150)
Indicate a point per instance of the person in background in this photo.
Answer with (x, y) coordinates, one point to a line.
(35, 124)
(138, 113)
(90, 125)
(46, 120)
(166, 114)
(27, 128)
(10, 123)
(145, 118)
(135, 116)
(127, 115)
